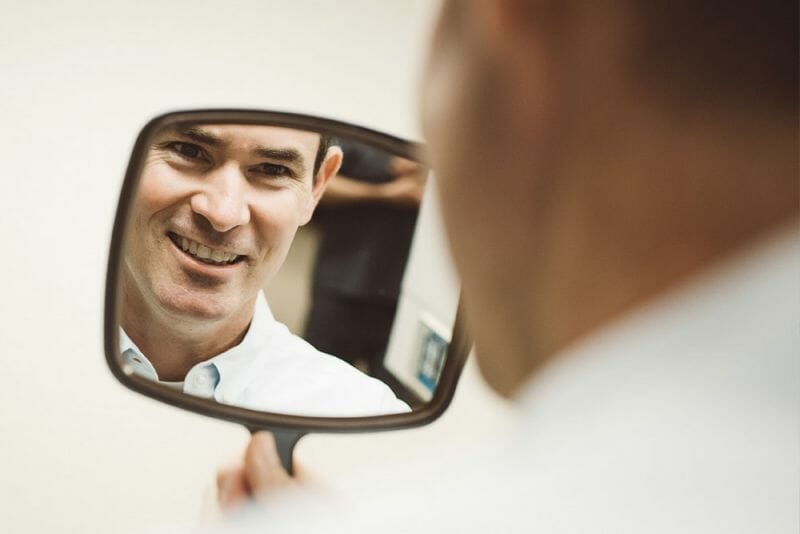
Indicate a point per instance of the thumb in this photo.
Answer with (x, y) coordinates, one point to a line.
(231, 488)
(262, 465)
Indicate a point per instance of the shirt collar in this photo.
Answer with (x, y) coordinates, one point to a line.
(133, 357)
(257, 336)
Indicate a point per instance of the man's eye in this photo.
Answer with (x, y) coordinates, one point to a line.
(272, 169)
(187, 150)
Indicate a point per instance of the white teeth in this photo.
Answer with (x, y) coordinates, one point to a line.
(203, 252)
(206, 254)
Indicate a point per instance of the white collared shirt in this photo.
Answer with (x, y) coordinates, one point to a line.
(680, 418)
(276, 371)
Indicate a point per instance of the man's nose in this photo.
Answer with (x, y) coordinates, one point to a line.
(222, 199)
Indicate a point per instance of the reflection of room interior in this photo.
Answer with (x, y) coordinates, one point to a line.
(426, 310)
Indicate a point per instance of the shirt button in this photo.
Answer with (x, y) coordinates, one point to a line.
(201, 380)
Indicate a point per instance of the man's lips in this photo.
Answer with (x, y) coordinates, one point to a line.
(204, 253)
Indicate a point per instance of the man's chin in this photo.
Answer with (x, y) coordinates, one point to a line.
(197, 308)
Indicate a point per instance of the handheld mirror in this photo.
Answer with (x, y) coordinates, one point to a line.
(284, 272)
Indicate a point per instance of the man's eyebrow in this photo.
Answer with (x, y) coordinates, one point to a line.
(202, 136)
(287, 155)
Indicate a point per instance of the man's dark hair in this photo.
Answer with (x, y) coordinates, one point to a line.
(325, 142)
(704, 51)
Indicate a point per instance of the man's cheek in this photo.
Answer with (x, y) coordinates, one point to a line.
(160, 187)
(286, 210)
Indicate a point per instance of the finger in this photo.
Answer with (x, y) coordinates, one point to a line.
(262, 465)
(232, 488)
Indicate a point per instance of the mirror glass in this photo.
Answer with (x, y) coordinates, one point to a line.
(282, 270)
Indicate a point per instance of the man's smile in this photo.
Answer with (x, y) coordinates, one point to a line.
(204, 253)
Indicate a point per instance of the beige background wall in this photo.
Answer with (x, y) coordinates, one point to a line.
(77, 80)
(289, 291)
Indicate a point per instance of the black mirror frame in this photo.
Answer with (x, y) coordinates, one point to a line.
(458, 349)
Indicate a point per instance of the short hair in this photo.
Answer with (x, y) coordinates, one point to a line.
(325, 142)
(704, 51)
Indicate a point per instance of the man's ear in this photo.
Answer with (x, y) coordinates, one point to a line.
(517, 38)
(327, 170)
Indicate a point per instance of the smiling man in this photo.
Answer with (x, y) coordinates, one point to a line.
(217, 210)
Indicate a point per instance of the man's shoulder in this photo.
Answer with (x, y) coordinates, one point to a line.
(291, 373)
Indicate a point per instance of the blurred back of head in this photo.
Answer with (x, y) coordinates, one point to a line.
(592, 155)
(714, 52)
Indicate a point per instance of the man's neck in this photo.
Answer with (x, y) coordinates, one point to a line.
(643, 224)
(174, 345)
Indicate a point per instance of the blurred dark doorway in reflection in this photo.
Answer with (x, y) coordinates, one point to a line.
(366, 220)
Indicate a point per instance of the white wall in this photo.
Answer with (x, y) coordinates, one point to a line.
(77, 80)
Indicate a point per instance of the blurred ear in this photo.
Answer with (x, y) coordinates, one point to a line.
(507, 25)
(327, 170)
(516, 38)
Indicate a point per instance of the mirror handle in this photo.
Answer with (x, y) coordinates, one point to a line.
(285, 441)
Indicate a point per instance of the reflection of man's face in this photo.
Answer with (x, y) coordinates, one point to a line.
(216, 212)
